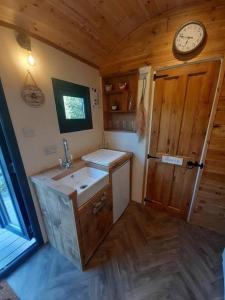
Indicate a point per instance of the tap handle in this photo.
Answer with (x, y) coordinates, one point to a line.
(65, 144)
(60, 162)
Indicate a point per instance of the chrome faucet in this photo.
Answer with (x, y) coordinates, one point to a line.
(67, 161)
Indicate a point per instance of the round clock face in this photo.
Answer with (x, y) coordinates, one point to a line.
(32, 95)
(189, 37)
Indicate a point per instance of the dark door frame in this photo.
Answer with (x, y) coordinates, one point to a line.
(27, 207)
(5, 161)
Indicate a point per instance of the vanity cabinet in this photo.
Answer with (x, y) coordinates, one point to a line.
(74, 231)
(96, 219)
(76, 227)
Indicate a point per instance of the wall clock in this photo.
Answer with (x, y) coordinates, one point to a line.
(189, 37)
(31, 93)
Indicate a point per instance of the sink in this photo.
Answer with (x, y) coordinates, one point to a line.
(104, 157)
(87, 182)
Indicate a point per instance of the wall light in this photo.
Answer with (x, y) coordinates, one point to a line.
(30, 59)
(24, 41)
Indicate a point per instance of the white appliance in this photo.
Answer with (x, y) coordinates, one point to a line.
(120, 177)
(121, 190)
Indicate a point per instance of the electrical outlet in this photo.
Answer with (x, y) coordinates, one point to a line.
(28, 132)
(94, 95)
(50, 149)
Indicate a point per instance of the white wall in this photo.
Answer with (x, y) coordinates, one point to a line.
(43, 121)
(130, 142)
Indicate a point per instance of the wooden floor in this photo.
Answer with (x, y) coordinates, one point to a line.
(11, 246)
(147, 256)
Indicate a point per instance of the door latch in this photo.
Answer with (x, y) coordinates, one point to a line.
(191, 165)
(150, 156)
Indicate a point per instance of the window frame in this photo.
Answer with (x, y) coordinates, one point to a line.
(64, 88)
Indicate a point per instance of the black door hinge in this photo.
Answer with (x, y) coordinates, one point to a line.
(155, 76)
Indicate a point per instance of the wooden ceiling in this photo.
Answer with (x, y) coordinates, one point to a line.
(86, 29)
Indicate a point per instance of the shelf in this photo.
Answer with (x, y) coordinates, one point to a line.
(116, 92)
(120, 130)
(123, 99)
(120, 111)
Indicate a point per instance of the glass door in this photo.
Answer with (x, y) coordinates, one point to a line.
(20, 233)
(10, 214)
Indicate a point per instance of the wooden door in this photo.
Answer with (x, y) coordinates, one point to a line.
(181, 109)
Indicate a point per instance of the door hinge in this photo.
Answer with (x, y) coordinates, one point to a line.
(155, 76)
(30, 230)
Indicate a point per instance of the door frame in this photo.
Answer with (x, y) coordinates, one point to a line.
(209, 129)
(13, 148)
(21, 229)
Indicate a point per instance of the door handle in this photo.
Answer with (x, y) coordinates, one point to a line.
(191, 165)
(97, 207)
(11, 168)
(150, 156)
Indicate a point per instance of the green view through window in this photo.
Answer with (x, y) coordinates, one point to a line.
(73, 106)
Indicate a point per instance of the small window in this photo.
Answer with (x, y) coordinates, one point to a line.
(73, 106)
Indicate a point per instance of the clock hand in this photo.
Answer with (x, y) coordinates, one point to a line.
(186, 37)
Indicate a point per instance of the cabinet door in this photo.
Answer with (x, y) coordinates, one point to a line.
(95, 221)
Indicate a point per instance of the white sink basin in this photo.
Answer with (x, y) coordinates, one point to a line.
(104, 157)
(87, 182)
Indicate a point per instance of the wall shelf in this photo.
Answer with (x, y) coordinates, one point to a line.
(120, 112)
(122, 119)
(116, 92)
(120, 130)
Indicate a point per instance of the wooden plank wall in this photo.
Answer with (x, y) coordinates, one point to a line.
(209, 209)
(151, 43)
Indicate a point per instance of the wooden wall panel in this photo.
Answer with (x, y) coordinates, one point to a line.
(209, 209)
(87, 30)
(151, 43)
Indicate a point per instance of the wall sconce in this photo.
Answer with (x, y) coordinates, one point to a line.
(24, 41)
(30, 59)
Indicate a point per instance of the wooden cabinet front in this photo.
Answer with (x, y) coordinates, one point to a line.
(95, 220)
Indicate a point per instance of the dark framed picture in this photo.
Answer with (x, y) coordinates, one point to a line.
(73, 106)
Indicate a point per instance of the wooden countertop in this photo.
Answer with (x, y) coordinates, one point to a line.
(51, 176)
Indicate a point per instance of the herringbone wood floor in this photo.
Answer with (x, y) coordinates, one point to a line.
(147, 255)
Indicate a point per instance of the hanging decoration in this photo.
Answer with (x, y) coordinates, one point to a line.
(141, 112)
(31, 93)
